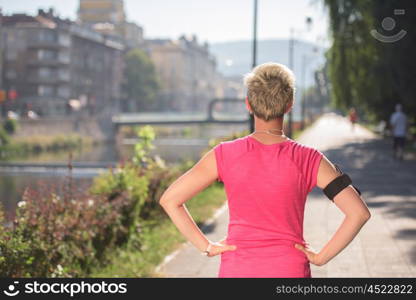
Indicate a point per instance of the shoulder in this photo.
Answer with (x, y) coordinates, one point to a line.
(308, 160)
(302, 154)
(302, 148)
(232, 148)
(231, 145)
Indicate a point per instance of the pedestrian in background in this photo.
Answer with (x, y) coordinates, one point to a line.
(398, 124)
(352, 115)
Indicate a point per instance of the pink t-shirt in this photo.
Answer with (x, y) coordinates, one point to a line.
(266, 188)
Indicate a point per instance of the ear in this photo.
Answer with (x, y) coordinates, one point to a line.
(248, 105)
(289, 107)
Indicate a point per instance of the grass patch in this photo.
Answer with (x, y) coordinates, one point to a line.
(22, 147)
(160, 237)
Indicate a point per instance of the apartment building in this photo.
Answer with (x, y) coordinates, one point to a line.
(50, 61)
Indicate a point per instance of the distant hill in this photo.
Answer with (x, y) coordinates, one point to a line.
(235, 58)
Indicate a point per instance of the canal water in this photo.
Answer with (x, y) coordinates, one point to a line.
(15, 179)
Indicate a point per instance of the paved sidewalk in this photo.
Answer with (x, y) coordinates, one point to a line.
(385, 247)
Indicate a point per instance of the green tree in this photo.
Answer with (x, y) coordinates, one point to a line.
(10, 125)
(140, 84)
(365, 72)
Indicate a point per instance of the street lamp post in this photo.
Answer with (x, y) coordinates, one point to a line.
(254, 62)
(305, 61)
(291, 66)
(302, 121)
(291, 50)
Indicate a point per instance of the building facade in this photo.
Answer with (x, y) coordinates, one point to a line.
(50, 61)
(187, 73)
(108, 17)
(102, 11)
(133, 35)
(2, 91)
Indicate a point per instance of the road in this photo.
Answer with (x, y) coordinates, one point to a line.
(386, 245)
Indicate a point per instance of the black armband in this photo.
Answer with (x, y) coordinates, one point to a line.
(338, 184)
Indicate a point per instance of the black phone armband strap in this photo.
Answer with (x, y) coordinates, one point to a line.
(338, 184)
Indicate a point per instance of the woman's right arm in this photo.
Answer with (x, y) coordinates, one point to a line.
(355, 211)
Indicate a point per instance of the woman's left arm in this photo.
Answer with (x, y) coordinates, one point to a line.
(196, 179)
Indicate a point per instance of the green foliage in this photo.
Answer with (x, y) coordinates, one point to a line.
(141, 83)
(366, 73)
(35, 144)
(187, 132)
(10, 125)
(160, 177)
(72, 231)
(4, 137)
(66, 231)
(59, 233)
(130, 183)
(159, 238)
(146, 134)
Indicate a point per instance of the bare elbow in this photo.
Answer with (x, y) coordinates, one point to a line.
(166, 202)
(163, 201)
(362, 216)
(366, 215)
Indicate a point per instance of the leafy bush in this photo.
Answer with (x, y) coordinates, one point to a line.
(4, 137)
(10, 125)
(67, 230)
(59, 231)
(21, 146)
(160, 176)
(144, 177)
(130, 182)
(146, 134)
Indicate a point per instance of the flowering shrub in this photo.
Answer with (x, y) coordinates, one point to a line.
(59, 231)
(128, 182)
(66, 230)
(160, 176)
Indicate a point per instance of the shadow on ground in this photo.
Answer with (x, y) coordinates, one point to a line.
(207, 228)
(385, 183)
(408, 234)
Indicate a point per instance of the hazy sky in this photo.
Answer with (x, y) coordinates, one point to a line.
(211, 20)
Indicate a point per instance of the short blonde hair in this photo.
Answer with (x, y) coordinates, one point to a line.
(270, 89)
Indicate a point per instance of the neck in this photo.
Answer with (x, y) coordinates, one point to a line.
(260, 124)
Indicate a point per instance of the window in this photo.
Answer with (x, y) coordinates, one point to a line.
(64, 57)
(45, 72)
(11, 74)
(64, 74)
(46, 54)
(11, 54)
(64, 39)
(45, 90)
(64, 92)
(47, 36)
